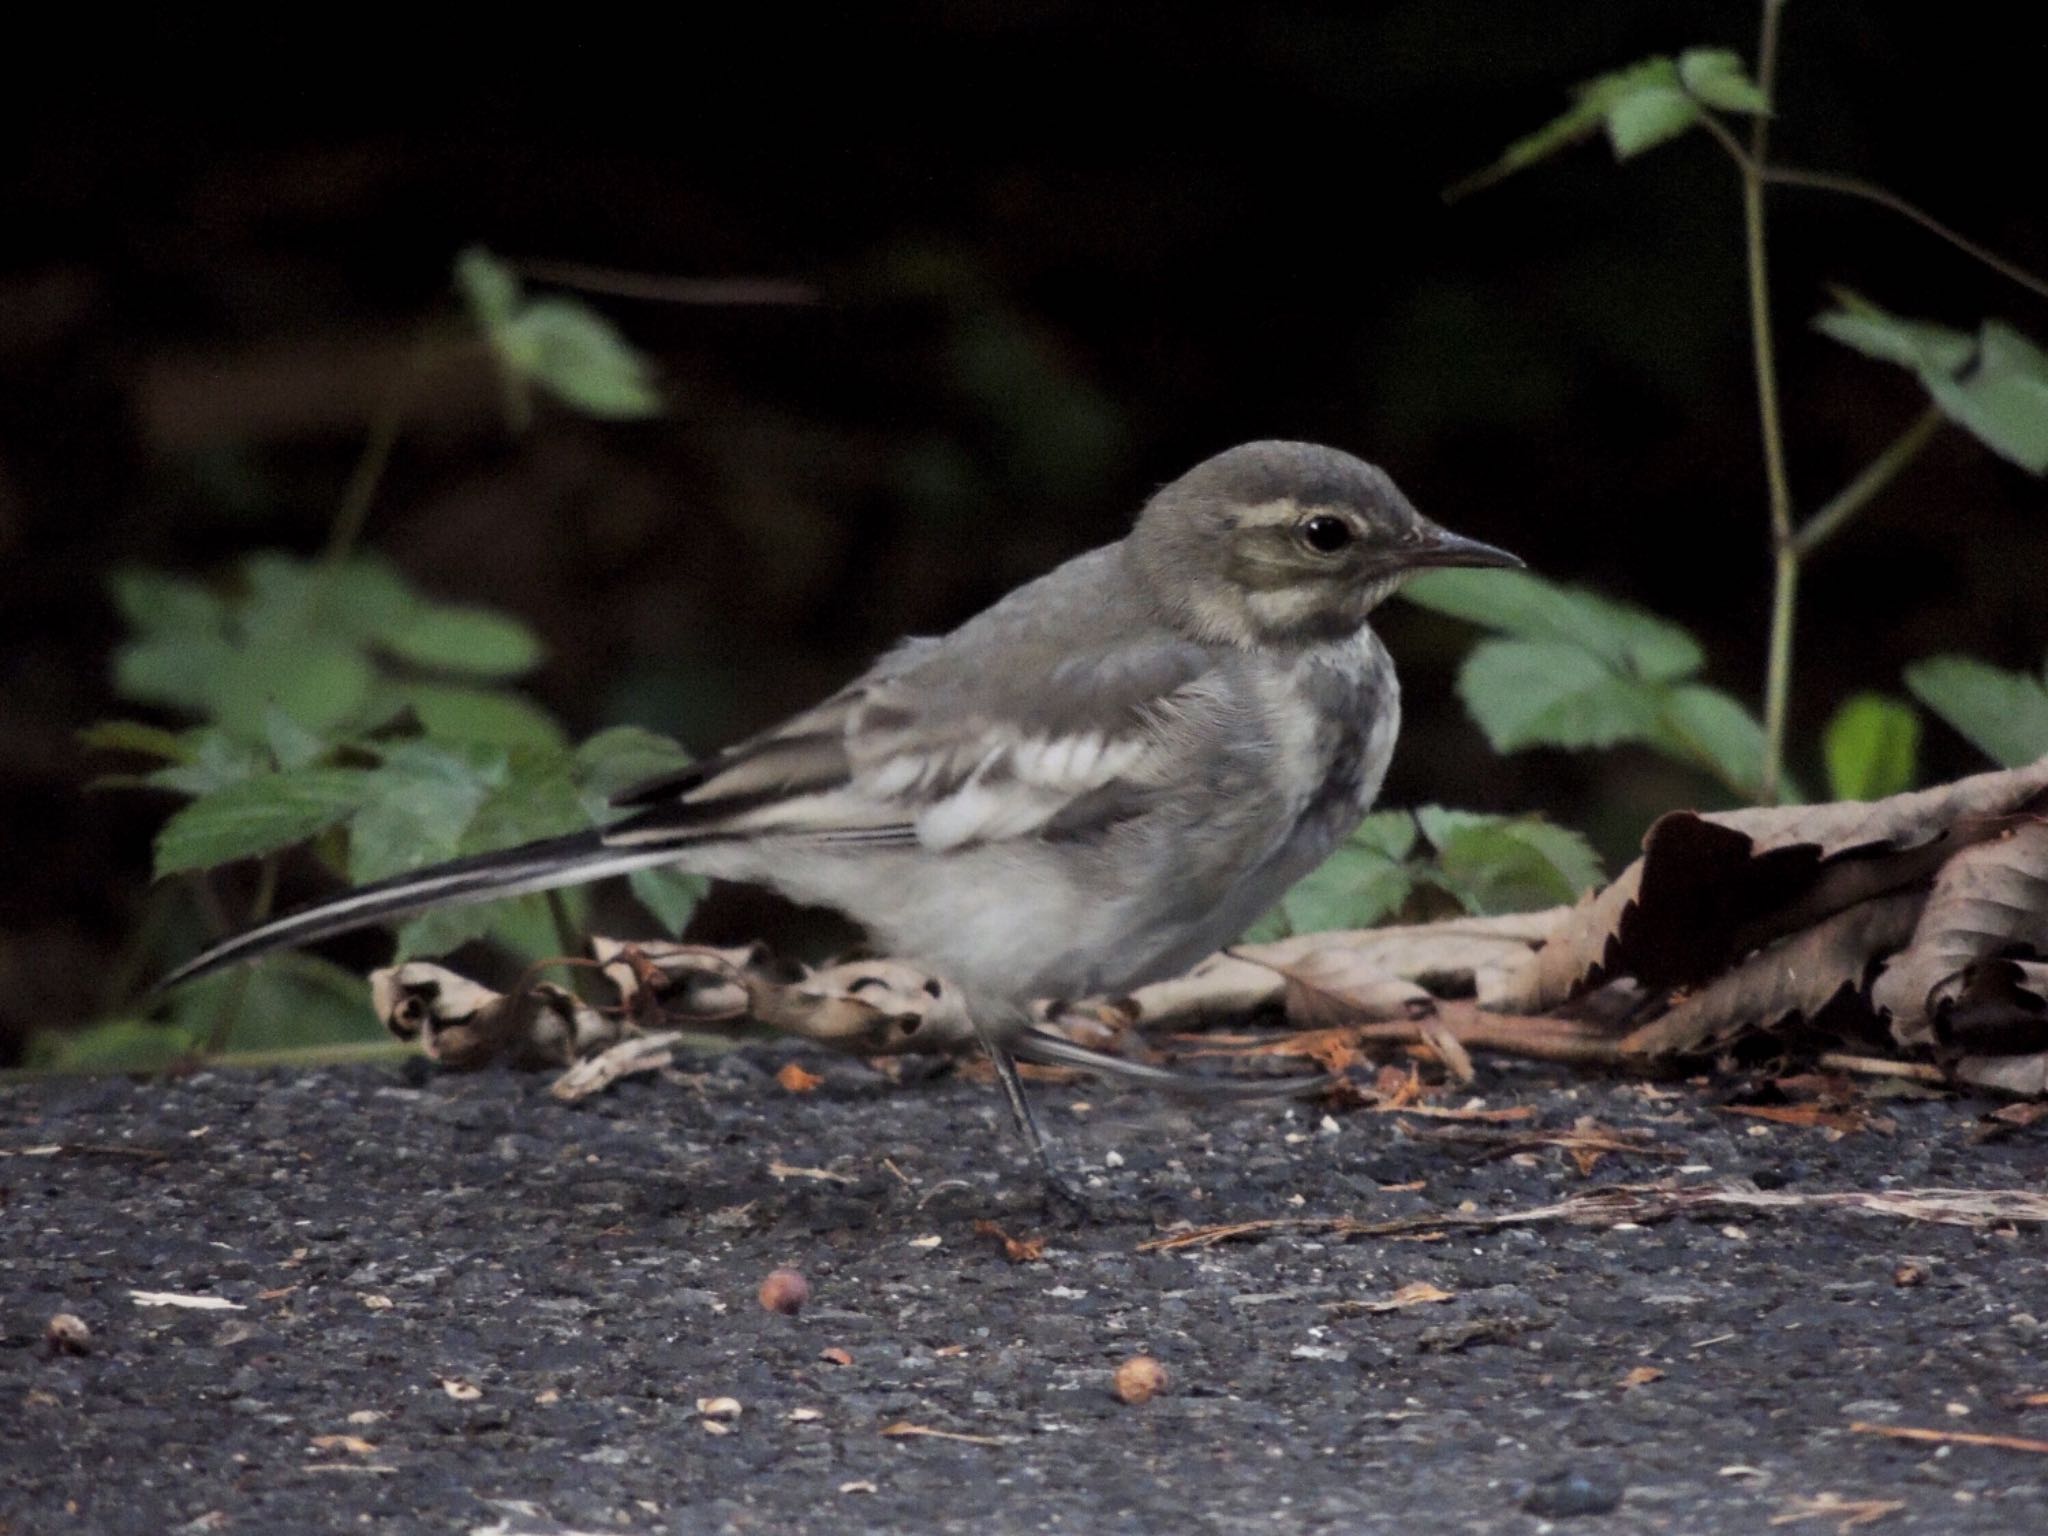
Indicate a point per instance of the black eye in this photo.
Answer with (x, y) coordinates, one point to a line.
(1326, 535)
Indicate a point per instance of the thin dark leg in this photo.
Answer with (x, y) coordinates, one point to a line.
(1057, 1191)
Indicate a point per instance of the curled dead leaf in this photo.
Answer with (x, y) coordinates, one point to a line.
(1989, 901)
(464, 1025)
(1709, 889)
(1027, 1250)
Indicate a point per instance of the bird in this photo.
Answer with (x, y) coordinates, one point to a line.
(1103, 777)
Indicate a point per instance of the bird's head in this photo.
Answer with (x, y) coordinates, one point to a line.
(1276, 543)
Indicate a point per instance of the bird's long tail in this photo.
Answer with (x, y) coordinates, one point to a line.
(539, 866)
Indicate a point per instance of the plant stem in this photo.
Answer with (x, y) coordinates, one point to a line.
(1876, 475)
(231, 1013)
(372, 462)
(1852, 186)
(1785, 557)
(567, 937)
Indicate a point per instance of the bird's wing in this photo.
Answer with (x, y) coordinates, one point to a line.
(940, 749)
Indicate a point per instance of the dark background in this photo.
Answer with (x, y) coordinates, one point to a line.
(1061, 253)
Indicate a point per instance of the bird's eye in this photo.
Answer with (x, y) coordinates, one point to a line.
(1326, 535)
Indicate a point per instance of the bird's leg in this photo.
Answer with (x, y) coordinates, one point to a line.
(1059, 1194)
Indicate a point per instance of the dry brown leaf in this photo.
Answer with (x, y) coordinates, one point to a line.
(903, 1429)
(1797, 977)
(1456, 1059)
(835, 1356)
(1951, 1437)
(779, 1170)
(463, 1025)
(1988, 901)
(2031, 1400)
(355, 1445)
(1417, 1293)
(794, 1079)
(1026, 1250)
(657, 980)
(2022, 1076)
(1807, 1116)
(1641, 1203)
(1385, 973)
(1641, 1376)
(1711, 888)
(634, 1054)
(869, 1007)
(1847, 1513)
(1469, 1112)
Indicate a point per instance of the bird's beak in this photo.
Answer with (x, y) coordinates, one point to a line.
(1443, 547)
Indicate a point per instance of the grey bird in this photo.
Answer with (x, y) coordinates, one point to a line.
(1104, 777)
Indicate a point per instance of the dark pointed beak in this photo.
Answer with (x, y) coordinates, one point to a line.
(1443, 547)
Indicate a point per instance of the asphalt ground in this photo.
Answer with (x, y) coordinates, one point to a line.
(450, 1303)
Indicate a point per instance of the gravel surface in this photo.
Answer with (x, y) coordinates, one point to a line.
(453, 1304)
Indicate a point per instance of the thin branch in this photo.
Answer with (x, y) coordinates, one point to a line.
(1851, 186)
(231, 1011)
(1724, 136)
(1785, 558)
(1877, 474)
(666, 290)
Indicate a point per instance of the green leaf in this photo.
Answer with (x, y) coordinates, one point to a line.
(537, 798)
(471, 640)
(115, 1045)
(258, 815)
(1627, 638)
(177, 672)
(133, 736)
(212, 760)
(154, 603)
(1497, 864)
(1592, 103)
(615, 760)
(292, 1000)
(1362, 881)
(1916, 344)
(669, 894)
(1872, 747)
(417, 805)
(488, 286)
(1529, 693)
(489, 716)
(2003, 400)
(1994, 387)
(292, 600)
(2003, 714)
(577, 355)
(321, 685)
(291, 744)
(1717, 77)
(524, 925)
(1645, 118)
(1708, 728)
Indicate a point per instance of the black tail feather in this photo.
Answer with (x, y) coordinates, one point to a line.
(538, 866)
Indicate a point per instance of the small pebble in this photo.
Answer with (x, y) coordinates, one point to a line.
(1565, 1494)
(66, 1334)
(1140, 1379)
(785, 1291)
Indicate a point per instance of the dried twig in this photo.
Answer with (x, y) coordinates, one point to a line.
(1951, 1437)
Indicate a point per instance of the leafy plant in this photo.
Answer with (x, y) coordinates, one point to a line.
(1993, 383)
(1574, 669)
(2003, 714)
(341, 712)
(1397, 861)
